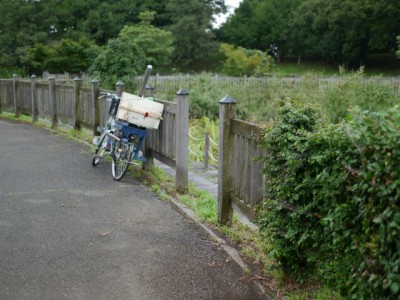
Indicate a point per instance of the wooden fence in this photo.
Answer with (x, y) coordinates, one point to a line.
(69, 103)
(240, 177)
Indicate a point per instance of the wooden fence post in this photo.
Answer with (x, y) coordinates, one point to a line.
(1, 96)
(77, 100)
(34, 99)
(227, 107)
(182, 141)
(119, 88)
(206, 149)
(52, 98)
(16, 96)
(96, 105)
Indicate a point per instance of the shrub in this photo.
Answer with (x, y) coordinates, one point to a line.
(331, 209)
(241, 61)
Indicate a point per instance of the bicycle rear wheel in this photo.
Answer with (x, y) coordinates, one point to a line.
(121, 157)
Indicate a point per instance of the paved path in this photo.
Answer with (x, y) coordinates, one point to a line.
(68, 231)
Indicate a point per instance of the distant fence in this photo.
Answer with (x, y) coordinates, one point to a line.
(166, 84)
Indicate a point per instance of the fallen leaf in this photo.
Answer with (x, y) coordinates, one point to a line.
(104, 234)
(214, 264)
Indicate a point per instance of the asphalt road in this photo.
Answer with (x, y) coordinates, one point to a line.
(68, 231)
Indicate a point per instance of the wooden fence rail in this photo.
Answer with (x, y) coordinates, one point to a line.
(78, 106)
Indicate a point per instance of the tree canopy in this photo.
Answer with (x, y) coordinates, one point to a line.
(35, 34)
(343, 31)
(26, 23)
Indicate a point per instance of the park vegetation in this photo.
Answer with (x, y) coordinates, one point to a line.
(78, 36)
(331, 212)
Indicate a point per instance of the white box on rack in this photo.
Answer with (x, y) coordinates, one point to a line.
(140, 111)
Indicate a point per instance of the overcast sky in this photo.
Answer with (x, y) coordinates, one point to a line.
(231, 5)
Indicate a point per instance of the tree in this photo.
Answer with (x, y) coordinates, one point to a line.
(118, 60)
(134, 47)
(344, 31)
(191, 26)
(64, 56)
(22, 24)
(260, 24)
(154, 43)
(398, 51)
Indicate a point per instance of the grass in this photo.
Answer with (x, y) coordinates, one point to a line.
(386, 64)
(291, 67)
(258, 99)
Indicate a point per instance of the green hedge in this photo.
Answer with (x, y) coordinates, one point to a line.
(332, 206)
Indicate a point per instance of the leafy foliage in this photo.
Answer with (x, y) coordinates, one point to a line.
(155, 43)
(64, 56)
(134, 47)
(340, 31)
(192, 30)
(398, 46)
(25, 24)
(259, 25)
(332, 207)
(240, 61)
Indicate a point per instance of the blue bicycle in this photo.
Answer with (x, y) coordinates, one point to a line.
(122, 140)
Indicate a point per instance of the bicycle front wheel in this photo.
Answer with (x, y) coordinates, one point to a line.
(121, 157)
(100, 151)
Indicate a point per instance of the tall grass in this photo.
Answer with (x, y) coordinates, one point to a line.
(258, 99)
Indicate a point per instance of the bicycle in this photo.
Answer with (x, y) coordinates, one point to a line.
(120, 139)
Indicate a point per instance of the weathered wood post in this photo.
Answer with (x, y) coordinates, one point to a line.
(206, 149)
(149, 163)
(77, 100)
(227, 107)
(34, 99)
(96, 105)
(52, 99)
(17, 105)
(1, 96)
(182, 141)
(119, 88)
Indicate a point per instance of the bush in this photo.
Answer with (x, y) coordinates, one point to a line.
(331, 210)
(241, 61)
